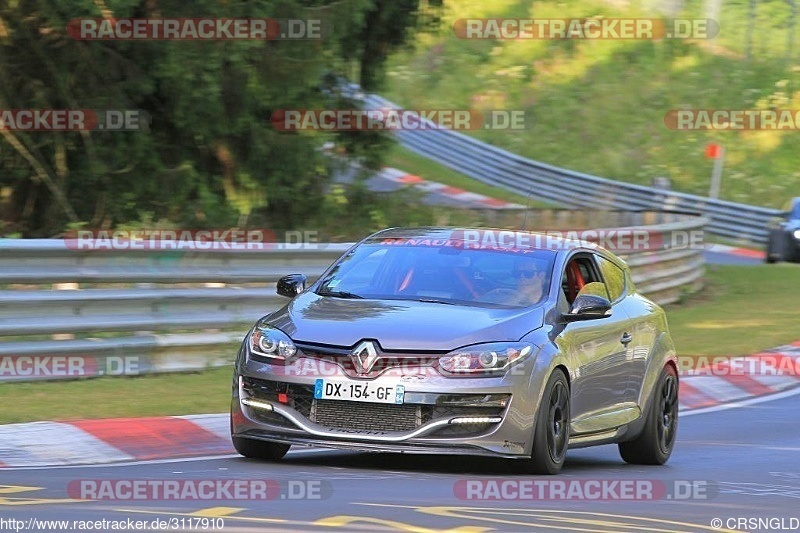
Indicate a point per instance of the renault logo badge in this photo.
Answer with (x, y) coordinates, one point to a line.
(364, 356)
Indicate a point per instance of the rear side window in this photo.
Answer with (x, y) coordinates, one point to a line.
(614, 278)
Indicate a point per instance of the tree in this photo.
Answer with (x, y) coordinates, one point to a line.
(388, 25)
(211, 156)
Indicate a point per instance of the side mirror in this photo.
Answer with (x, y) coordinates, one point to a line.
(588, 307)
(292, 285)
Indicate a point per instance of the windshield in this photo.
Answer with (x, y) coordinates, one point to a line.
(445, 274)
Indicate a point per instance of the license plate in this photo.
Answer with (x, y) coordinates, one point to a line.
(358, 392)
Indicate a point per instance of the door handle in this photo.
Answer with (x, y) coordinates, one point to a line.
(626, 338)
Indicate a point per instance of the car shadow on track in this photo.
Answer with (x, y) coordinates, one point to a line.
(437, 464)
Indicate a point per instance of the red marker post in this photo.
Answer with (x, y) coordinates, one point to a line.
(717, 153)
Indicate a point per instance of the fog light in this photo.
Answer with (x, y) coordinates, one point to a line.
(476, 420)
(257, 404)
(474, 400)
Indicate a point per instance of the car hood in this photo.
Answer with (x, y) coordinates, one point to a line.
(399, 324)
(792, 225)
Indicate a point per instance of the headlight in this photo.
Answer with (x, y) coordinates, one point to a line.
(796, 234)
(484, 358)
(270, 342)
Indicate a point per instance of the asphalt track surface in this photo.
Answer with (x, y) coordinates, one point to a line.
(742, 463)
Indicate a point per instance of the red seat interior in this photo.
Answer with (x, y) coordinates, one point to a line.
(575, 281)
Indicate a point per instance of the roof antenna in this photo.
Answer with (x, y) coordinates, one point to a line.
(527, 208)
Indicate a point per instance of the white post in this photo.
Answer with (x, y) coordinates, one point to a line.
(716, 174)
(64, 287)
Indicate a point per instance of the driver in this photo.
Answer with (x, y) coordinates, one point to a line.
(529, 286)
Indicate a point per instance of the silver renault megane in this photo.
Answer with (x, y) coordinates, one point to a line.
(461, 341)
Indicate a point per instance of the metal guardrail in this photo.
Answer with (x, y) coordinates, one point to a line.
(187, 310)
(159, 310)
(527, 177)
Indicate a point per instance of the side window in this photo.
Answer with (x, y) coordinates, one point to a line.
(581, 276)
(614, 278)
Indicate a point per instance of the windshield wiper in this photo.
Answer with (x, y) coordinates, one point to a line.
(341, 294)
(433, 301)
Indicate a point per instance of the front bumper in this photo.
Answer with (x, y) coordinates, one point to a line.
(431, 419)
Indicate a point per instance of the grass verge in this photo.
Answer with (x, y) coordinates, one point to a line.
(207, 391)
(742, 310)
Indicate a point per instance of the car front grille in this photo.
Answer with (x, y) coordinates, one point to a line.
(363, 416)
(340, 414)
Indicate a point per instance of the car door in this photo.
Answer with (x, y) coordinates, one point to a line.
(597, 350)
(641, 329)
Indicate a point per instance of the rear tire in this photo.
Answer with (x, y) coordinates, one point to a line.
(654, 444)
(258, 449)
(551, 434)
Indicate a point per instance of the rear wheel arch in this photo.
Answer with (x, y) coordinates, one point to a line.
(653, 445)
(662, 353)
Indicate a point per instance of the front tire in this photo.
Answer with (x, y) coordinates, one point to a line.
(257, 449)
(768, 252)
(551, 434)
(654, 445)
(775, 247)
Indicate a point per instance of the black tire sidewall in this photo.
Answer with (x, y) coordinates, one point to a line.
(541, 458)
(646, 448)
(655, 414)
(258, 449)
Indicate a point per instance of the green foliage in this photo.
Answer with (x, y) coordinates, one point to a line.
(387, 27)
(599, 106)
